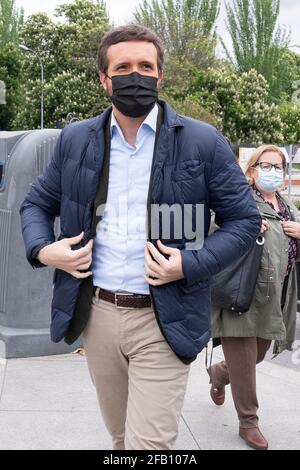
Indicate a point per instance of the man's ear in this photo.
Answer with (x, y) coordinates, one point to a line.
(160, 78)
(103, 78)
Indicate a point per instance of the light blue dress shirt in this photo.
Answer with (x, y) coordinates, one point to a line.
(118, 261)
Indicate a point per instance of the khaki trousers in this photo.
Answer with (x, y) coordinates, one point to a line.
(140, 382)
(241, 355)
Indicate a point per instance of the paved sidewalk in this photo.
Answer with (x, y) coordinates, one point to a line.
(50, 403)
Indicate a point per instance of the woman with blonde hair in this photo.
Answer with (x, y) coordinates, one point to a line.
(247, 337)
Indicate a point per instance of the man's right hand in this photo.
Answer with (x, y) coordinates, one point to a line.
(61, 256)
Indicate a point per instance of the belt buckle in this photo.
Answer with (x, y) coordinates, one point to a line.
(116, 300)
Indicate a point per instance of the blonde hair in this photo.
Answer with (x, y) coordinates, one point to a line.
(256, 156)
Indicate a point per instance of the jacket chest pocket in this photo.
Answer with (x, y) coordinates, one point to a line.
(189, 182)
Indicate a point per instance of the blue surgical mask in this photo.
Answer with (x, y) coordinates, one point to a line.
(271, 180)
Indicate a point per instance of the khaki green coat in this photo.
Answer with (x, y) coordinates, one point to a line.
(265, 319)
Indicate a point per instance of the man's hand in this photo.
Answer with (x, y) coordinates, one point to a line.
(292, 229)
(264, 226)
(60, 255)
(162, 269)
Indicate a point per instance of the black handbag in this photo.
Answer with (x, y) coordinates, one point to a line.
(233, 288)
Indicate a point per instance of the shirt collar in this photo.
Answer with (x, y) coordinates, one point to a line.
(150, 121)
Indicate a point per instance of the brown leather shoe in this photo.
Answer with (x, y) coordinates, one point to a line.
(217, 395)
(254, 438)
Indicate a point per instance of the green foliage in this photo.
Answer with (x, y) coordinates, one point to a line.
(191, 108)
(290, 75)
(83, 13)
(258, 43)
(238, 101)
(240, 105)
(178, 75)
(290, 116)
(10, 74)
(186, 27)
(11, 19)
(68, 50)
(66, 93)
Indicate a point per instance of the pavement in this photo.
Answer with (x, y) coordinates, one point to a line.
(49, 403)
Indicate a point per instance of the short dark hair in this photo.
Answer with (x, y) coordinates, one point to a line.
(131, 32)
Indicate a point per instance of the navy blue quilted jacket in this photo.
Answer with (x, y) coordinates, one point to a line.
(193, 164)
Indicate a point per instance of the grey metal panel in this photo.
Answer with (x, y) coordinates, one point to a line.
(5, 238)
(25, 293)
(7, 142)
(3, 150)
(44, 153)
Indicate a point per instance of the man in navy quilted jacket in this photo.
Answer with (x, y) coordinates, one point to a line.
(135, 282)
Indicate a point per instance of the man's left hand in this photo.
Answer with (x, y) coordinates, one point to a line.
(163, 269)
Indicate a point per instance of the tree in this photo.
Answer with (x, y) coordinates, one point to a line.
(186, 27)
(10, 75)
(11, 19)
(290, 115)
(68, 50)
(290, 76)
(239, 104)
(258, 43)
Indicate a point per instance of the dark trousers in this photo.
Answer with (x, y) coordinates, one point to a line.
(239, 370)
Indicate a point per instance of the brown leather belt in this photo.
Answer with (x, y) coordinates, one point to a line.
(123, 299)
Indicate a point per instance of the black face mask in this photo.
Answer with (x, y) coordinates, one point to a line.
(134, 95)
